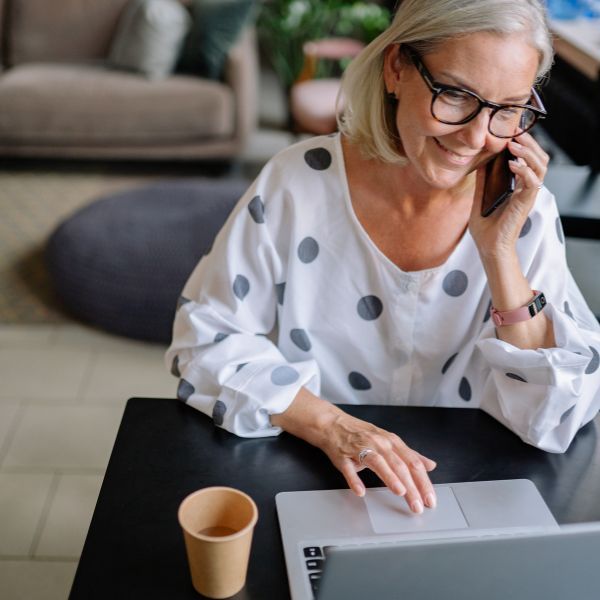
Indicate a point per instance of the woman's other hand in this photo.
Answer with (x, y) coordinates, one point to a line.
(402, 470)
(342, 437)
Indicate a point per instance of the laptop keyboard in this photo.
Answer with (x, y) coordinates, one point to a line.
(314, 560)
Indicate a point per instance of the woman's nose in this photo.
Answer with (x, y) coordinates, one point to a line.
(475, 132)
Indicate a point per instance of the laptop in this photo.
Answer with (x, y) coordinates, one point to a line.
(318, 525)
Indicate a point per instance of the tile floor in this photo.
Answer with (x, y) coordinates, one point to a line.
(62, 393)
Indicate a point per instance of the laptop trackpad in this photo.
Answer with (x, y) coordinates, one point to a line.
(390, 513)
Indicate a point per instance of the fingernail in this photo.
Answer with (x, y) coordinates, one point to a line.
(417, 507)
(430, 500)
(359, 491)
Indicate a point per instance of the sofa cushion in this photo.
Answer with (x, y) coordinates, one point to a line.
(217, 25)
(149, 37)
(64, 30)
(90, 104)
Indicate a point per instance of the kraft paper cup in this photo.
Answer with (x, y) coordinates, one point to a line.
(217, 524)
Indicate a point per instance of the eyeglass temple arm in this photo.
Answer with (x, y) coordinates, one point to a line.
(416, 60)
(540, 105)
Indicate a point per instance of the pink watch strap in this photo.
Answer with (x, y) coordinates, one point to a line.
(524, 313)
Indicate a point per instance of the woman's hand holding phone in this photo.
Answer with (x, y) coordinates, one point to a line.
(497, 233)
(496, 239)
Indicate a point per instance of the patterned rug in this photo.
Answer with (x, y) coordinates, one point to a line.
(32, 204)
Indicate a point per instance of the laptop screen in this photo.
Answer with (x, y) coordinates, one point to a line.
(558, 565)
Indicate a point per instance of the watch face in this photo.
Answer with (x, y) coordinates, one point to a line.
(537, 304)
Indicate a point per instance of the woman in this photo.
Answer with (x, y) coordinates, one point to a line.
(367, 252)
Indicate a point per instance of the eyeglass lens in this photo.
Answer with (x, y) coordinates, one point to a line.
(454, 107)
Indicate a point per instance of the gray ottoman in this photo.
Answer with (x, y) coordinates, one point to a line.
(121, 262)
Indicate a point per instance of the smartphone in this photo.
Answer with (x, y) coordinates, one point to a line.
(499, 183)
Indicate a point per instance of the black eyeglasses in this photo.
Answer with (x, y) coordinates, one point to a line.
(456, 106)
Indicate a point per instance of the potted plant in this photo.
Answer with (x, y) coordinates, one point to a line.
(285, 25)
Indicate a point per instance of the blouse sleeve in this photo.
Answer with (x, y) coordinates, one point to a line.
(228, 367)
(546, 395)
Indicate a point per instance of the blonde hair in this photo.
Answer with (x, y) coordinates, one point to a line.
(368, 117)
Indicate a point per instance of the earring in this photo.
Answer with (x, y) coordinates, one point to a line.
(391, 97)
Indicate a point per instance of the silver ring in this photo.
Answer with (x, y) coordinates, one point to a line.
(363, 454)
(540, 186)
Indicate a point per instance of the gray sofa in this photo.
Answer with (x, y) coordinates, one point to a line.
(58, 97)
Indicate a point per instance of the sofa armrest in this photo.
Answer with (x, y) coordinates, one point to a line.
(241, 73)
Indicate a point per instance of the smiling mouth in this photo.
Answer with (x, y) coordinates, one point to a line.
(459, 158)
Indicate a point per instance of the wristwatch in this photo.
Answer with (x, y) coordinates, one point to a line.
(510, 317)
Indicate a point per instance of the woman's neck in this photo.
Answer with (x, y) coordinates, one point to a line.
(415, 226)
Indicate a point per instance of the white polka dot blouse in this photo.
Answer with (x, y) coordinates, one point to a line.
(294, 293)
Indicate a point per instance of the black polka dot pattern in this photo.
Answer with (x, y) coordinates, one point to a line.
(318, 158)
(181, 301)
(455, 283)
(594, 362)
(221, 336)
(358, 381)
(280, 292)
(301, 339)
(241, 287)
(175, 367)
(184, 390)
(284, 375)
(516, 377)
(308, 249)
(526, 228)
(256, 208)
(566, 414)
(487, 315)
(568, 310)
(449, 362)
(218, 413)
(369, 308)
(559, 231)
(464, 389)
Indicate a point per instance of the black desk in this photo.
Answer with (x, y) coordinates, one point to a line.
(164, 450)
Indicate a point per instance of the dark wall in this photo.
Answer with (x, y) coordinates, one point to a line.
(389, 4)
(573, 104)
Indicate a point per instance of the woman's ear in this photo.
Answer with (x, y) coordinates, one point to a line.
(394, 68)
